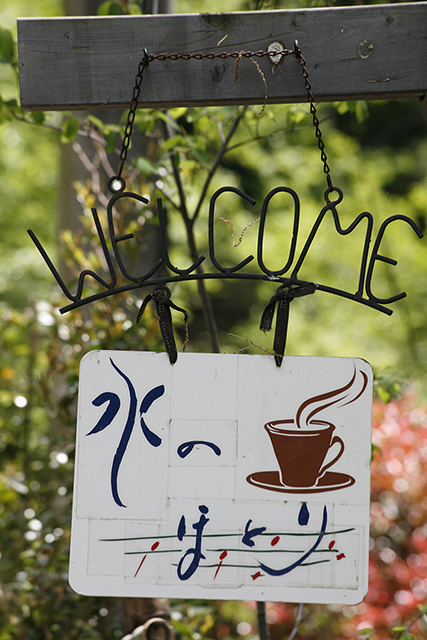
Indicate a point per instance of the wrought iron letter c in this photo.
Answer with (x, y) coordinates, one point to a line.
(211, 229)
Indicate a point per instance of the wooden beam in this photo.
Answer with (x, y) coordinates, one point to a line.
(366, 52)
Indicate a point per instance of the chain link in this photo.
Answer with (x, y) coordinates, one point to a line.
(147, 58)
(132, 111)
(316, 123)
(223, 54)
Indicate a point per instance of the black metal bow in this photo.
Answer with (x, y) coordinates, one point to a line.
(161, 298)
(283, 297)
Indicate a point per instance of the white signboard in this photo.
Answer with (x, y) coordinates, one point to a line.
(222, 477)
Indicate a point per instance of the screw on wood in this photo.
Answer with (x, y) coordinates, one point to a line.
(275, 52)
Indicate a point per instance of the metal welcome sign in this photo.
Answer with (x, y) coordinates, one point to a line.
(287, 278)
(222, 477)
(225, 476)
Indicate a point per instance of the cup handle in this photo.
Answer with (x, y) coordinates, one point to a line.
(335, 439)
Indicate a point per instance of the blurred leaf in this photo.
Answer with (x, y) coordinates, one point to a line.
(387, 387)
(342, 107)
(177, 112)
(207, 624)
(358, 107)
(7, 110)
(70, 130)
(361, 110)
(134, 9)
(98, 123)
(182, 628)
(374, 449)
(166, 118)
(7, 46)
(174, 142)
(109, 8)
(111, 141)
(146, 167)
(38, 117)
(295, 115)
(7, 373)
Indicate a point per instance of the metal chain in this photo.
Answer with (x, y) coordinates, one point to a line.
(316, 123)
(147, 58)
(132, 112)
(224, 54)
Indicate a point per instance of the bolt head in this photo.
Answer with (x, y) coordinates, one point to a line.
(274, 57)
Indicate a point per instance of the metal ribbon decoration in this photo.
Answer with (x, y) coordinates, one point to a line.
(282, 298)
(161, 298)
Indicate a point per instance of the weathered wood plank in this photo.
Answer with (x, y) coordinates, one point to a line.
(366, 52)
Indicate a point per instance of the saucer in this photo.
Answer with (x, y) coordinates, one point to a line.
(330, 481)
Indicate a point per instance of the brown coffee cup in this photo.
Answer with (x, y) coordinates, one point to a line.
(301, 452)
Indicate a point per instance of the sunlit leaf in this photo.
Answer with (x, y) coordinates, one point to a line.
(146, 167)
(374, 449)
(7, 46)
(111, 142)
(361, 110)
(70, 129)
(109, 8)
(97, 122)
(177, 112)
(38, 117)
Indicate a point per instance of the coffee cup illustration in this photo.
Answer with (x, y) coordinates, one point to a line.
(304, 455)
(306, 448)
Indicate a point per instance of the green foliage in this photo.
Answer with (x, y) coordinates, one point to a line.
(8, 53)
(387, 387)
(70, 129)
(109, 8)
(40, 355)
(359, 108)
(38, 116)
(374, 450)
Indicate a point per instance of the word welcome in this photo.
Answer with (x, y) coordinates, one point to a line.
(293, 264)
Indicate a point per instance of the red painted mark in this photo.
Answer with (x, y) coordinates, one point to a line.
(256, 575)
(140, 565)
(221, 557)
(331, 544)
(153, 548)
(340, 556)
(275, 541)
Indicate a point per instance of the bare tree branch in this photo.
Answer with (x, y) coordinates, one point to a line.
(217, 162)
(206, 304)
(298, 619)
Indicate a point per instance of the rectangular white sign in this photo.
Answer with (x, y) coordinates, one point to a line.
(222, 477)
